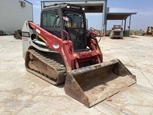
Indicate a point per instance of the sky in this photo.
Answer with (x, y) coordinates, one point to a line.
(141, 20)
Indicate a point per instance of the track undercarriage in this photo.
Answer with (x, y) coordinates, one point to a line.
(44, 66)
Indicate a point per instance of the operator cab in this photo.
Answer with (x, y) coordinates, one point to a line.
(70, 18)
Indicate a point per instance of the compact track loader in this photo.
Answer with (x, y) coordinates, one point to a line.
(61, 50)
(116, 32)
(148, 31)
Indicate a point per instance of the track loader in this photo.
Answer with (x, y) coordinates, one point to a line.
(148, 31)
(116, 32)
(61, 50)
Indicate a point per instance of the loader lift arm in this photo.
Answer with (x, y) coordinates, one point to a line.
(73, 58)
(52, 40)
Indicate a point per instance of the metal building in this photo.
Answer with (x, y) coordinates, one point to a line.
(13, 13)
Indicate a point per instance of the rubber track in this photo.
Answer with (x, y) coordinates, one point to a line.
(53, 63)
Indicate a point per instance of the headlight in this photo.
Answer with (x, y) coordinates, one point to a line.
(83, 8)
(68, 6)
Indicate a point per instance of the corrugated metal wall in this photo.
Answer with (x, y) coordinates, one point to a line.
(12, 15)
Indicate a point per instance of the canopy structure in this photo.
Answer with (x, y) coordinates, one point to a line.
(122, 16)
(89, 5)
(119, 16)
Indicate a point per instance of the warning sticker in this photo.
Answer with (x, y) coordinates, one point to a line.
(66, 18)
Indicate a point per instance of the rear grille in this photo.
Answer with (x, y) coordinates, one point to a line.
(117, 32)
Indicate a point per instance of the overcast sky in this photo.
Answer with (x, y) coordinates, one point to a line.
(141, 20)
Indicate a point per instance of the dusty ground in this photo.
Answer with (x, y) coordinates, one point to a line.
(22, 93)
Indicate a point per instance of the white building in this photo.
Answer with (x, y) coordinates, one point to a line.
(13, 13)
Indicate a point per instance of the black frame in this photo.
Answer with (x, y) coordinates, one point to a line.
(61, 8)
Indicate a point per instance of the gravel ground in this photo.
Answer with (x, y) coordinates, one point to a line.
(22, 93)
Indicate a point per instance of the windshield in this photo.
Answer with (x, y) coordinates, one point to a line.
(74, 25)
(73, 19)
(117, 26)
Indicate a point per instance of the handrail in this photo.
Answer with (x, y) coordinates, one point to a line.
(67, 35)
(95, 31)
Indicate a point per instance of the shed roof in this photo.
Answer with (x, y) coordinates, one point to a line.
(119, 16)
(93, 8)
(89, 5)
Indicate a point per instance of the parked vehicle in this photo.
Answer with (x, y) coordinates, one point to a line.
(116, 32)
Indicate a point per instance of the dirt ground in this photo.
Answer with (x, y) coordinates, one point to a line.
(22, 93)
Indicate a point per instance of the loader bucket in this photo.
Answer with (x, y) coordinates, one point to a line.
(93, 84)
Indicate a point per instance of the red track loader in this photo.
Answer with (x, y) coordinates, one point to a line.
(61, 50)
